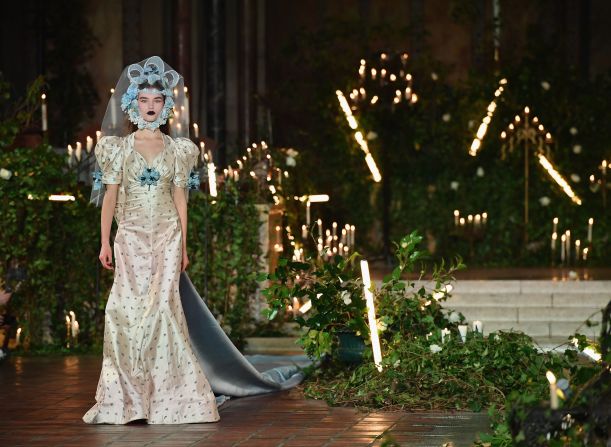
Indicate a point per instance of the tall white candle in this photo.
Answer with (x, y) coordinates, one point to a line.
(308, 213)
(555, 225)
(113, 109)
(43, 110)
(186, 110)
(590, 225)
(562, 248)
(319, 222)
(196, 130)
(304, 232)
(577, 249)
(79, 151)
(98, 135)
(462, 329)
(568, 246)
(89, 144)
(18, 337)
(478, 326)
(373, 326)
(553, 390)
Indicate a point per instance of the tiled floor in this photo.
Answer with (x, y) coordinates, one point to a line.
(42, 400)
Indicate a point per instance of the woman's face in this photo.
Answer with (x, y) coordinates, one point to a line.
(150, 105)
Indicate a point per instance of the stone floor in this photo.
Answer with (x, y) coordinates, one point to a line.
(43, 400)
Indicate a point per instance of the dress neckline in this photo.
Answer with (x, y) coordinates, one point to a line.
(149, 165)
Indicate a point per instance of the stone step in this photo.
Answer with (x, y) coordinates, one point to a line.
(559, 300)
(525, 314)
(496, 287)
(273, 345)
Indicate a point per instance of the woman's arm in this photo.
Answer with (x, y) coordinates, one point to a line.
(108, 210)
(180, 201)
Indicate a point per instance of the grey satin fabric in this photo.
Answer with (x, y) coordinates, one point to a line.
(227, 370)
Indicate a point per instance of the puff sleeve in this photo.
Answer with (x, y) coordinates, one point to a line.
(109, 154)
(186, 153)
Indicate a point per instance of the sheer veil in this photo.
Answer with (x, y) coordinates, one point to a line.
(117, 123)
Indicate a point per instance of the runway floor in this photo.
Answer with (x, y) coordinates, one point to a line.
(43, 399)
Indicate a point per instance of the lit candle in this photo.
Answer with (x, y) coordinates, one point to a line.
(43, 110)
(79, 151)
(562, 248)
(590, 224)
(319, 222)
(553, 390)
(373, 327)
(304, 231)
(462, 329)
(68, 330)
(477, 220)
(568, 246)
(98, 134)
(555, 223)
(577, 249)
(554, 239)
(478, 327)
(484, 218)
(113, 109)
(70, 152)
(308, 213)
(278, 235)
(75, 329)
(456, 217)
(196, 130)
(89, 144)
(186, 107)
(462, 221)
(18, 336)
(585, 253)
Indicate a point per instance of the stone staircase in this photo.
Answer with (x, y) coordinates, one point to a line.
(544, 309)
(547, 310)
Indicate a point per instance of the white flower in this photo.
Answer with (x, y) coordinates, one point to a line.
(453, 317)
(454, 185)
(290, 161)
(371, 135)
(573, 131)
(577, 149)
(448, 288)
(480, 172)
(403, 244)
(434, 76)
(471, 123)
(5, 174)
(397, 363)
(291, 152)
(575, 178)
(545, 85)
(544, 201)
(435, 349)
(381, 325)
(438, 295)
(446, 117)
(345, 296)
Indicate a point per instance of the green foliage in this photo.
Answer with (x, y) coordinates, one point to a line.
(56, 242)
(16, 113)
(224, 250)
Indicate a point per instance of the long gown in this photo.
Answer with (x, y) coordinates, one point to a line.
(149, 369)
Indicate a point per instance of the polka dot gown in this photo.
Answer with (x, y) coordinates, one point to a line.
(149, 370)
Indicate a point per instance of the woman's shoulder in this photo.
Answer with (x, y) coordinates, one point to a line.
(109, 145)
(184, 146)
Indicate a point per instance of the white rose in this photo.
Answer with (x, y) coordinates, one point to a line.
(573, 131)
(5, 174)
(480, 172)
(381, 325)
(434, 76)
(454, 185)
(544, 201)
(575, 178)
(290, 161)
(471, 123)
(291, 152)
(577, 149)
(371, 135)
(435, 349)
(545, 85)
(446, 117)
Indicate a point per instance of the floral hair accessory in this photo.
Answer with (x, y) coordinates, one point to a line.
(143, 80)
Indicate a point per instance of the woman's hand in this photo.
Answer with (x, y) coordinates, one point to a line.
(185, 260)
(106, 256)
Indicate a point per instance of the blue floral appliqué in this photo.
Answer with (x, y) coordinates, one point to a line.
(193, 182)
(97, 180)
(149, 177)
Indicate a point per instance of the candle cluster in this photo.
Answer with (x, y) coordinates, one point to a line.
(600, 183)
(483, 127)
(72, 330)
(476, 221)
(571, 253)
